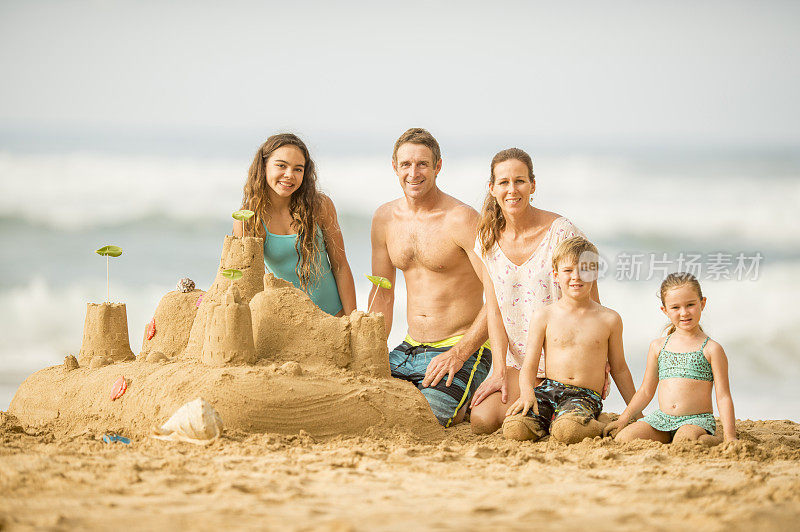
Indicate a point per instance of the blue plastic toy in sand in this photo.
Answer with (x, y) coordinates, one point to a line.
(112, 438)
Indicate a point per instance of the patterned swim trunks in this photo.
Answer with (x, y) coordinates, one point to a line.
(410, 360)
(556, 399)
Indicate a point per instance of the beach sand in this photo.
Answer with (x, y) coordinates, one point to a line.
(398, 482)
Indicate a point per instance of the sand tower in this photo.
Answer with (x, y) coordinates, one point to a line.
(105, 333)
(245, 254)
(228, 332)
(173, 320)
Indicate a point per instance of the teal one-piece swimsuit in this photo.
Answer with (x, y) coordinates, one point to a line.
(280, 257)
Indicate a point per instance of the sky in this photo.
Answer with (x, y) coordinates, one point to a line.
(202, 75)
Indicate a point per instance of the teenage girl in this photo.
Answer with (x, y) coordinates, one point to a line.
(684, 365)
(302, 239)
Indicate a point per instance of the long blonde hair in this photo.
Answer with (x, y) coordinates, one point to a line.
(492, 221)
(676, 280)
(304, 205)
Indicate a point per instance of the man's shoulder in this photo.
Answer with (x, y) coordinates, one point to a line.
(385, 211)
(457, 211)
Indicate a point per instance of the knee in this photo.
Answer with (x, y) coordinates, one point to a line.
(484, 421)
(571, 429)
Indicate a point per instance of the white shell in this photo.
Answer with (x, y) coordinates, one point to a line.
(194, 422)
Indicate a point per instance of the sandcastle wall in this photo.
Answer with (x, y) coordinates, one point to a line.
(173, 319)
(245, 254)
(228, 332)
(105, 333)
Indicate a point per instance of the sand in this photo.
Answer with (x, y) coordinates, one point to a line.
(319, 437)
(457, 481)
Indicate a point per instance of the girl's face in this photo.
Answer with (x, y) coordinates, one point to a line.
(511, 188)
(285, 167)
(683, 307)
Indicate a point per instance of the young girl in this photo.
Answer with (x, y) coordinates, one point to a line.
(687, 363)
(302, 239)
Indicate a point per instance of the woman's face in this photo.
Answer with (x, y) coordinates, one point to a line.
(285, 168)
(512, 188)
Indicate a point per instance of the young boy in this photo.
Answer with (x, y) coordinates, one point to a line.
(578, 336)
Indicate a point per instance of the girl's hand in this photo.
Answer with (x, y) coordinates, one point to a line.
(613, 428)
(495, 383)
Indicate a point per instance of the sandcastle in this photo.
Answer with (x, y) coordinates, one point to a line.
(256, 348)
(105, 334)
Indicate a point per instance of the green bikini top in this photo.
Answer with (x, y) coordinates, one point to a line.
(692, 365)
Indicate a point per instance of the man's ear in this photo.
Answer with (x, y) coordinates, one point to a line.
(438, 167)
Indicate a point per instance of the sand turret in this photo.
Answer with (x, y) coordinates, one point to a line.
(245, 254)
(228, 332)
(105, 333)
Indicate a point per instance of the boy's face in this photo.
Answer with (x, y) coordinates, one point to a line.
(575, 278)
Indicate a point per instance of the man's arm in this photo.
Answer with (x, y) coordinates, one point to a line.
(463, 227)
(616, 359)
(382, 300)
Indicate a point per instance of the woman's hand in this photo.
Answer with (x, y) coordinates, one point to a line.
(494, 383)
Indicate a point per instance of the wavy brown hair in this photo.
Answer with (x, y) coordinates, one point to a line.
(304, 205)
(492, 221)
(676, 280)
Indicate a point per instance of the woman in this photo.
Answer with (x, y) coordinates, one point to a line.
(515, 243)
(302, 239)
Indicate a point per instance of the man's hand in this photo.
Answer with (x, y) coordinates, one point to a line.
(494, 383)
(447, 363)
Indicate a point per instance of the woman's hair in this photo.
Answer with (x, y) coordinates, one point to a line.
(492, 221)
(304, 205)
(676, 280)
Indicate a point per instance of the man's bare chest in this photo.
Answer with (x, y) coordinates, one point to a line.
(426, 245)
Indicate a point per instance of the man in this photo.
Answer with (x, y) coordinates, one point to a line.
(430, 237)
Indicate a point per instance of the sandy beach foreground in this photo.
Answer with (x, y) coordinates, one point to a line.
(461, 481)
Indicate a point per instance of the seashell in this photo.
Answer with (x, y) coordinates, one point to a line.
(199, 300)
(151, 329)
(119, 388)
(195, 422)
(185, 285)
(70, 362)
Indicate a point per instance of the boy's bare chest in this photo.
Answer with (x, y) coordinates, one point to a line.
(427, 244)
(570, 333)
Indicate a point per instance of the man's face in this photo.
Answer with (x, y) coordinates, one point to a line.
(417, 170)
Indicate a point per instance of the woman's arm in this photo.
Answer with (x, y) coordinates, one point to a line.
(334, 242)
(719, 368)
(499, 342)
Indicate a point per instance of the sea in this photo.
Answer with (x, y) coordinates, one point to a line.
(731, 216)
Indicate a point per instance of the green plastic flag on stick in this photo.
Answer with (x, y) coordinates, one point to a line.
(108, 251)
(243, 215)
(232, 274)
(380, 282)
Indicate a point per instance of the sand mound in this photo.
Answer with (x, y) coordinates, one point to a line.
(173, 321)
(249, 398)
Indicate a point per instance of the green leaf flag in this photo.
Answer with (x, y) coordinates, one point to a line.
(382, 282)
(243, 215)
(232, 274)
(109, 251)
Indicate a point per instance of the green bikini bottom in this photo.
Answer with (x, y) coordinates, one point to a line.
(667, 423)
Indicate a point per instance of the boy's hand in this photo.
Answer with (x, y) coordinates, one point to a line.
(522, 405)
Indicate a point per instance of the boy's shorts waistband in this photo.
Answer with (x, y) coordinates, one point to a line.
(447, 342)
(580, 388)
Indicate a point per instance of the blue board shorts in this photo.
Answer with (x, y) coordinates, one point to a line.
(410, 359)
